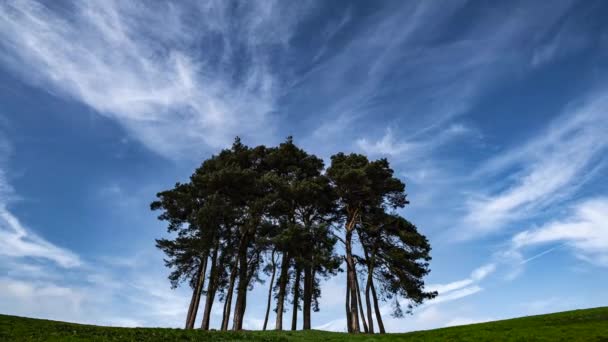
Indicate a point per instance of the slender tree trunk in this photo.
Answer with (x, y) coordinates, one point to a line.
(239, 308)
(368, 284)
(368, 303)
(282, 288)
(196, 293)
(377, 309)
(251, 266)
(228, 302)
(296, 300)
(347, 302)
(307, 303)
(274, 271)
(192, 299)
(360, 304)
(211, 289)
(352, 280)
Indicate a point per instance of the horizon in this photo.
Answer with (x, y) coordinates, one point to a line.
(495, 116)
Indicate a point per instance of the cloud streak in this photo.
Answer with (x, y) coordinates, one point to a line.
(444, 77)
(18, 242)
(584, 230)
(175, 82)
(461, 288)
(388, 145)
(546, 170)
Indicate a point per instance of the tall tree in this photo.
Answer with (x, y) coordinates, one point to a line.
(303, 201)
(244, 204)
(360, 183)
(397, 258)
(187, 254)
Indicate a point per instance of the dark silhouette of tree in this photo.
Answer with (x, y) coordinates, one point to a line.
(397, 257)
(252, 211)
(303, 205)
(361, 184)
(187, 255)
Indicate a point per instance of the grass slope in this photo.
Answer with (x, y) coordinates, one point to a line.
(578, 325)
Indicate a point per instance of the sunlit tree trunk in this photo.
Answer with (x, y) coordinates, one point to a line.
(351, 280)
(196, 293)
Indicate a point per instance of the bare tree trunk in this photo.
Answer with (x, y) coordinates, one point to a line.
(196, 293)
(360, 304)
(368, 303)
(307, 303)
(351, 280)
(282, 288)
(192, 300)
(377, 309)
(274, 271)
(296, 300)
(239, 308)
(368, 284)
(228, 301)
(211, 289)
(347, 302)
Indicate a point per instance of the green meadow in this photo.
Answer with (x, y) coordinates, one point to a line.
(577, 325)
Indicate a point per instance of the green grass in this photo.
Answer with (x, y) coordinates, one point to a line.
(578, 325)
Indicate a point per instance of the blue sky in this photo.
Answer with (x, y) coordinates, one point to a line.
(494, 114)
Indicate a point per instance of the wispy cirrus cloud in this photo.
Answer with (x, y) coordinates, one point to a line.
(175, 82)
(461, 288)
(584, 231)
(413, 148)
(18, 242)
(445, 77)
(45, 280)
(544, 171)
(433, 313)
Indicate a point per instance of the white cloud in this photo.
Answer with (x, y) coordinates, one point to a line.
(467, 320)
(40, 299)
(41, 279)
(18, 242)
(461, 288)
(405, 69)
(585, 231)
(99, 294)
(483, 271)
(455, 294)
(333, 325)
(546, 170)
(152, 67)
(552, 304)
(411, 149)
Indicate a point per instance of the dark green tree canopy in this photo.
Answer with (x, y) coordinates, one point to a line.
(246, 212)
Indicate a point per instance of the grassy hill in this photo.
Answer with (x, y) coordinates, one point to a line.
(578, 325)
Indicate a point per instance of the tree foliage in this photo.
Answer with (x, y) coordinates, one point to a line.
(249, 212)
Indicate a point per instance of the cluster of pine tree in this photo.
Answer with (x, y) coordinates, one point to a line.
(277, 211)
